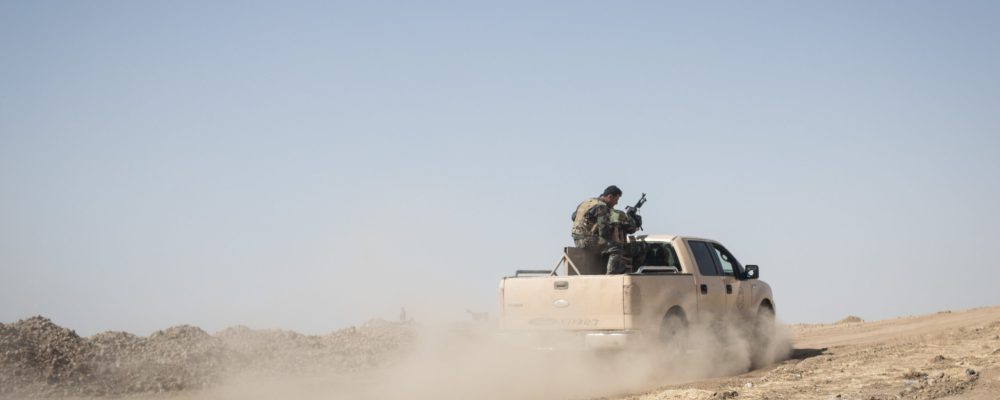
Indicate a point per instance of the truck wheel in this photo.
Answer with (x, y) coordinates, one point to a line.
(763, 333)
(673, 330)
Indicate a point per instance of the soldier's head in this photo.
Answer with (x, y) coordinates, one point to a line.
(611, 195)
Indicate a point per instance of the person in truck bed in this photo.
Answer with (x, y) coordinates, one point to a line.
(595, 228)
(632, 253)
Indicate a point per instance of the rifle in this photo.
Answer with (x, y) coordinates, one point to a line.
(633, 211)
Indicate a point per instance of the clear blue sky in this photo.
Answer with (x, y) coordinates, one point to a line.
(312, 165)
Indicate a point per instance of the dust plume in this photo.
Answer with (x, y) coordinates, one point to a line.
(377, 360)
(473, 360)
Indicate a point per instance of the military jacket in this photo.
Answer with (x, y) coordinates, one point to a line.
(592, 218)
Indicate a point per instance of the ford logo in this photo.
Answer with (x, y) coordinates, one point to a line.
(561, 303)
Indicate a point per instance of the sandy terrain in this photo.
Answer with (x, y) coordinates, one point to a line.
(952, 355)
(942, 355)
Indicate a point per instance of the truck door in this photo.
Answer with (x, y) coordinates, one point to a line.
(710, 285)
(737, 294)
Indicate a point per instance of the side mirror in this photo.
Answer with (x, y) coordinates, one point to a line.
(752, 272)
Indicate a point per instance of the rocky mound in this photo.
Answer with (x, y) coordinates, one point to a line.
(850, 319)
(181, 357)
(36, 352)
(40, 358)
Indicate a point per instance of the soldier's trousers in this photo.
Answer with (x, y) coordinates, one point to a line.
(617, 262)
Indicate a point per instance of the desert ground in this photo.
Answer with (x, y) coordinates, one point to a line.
(946, 355)
(949, 355)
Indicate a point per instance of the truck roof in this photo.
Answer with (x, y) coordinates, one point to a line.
(663, 237)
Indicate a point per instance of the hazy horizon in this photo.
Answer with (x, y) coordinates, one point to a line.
(310, 166)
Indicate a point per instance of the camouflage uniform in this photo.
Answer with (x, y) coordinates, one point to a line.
(622, 225)
(596, 226)
(585, 222)
(632, 253)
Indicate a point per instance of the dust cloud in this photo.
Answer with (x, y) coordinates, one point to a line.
(473, 360)
(377, 360)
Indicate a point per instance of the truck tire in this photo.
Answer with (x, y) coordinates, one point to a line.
(673, 330)
(763, 334)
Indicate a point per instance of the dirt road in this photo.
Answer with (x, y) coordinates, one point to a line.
(942, 355)
(952, 355)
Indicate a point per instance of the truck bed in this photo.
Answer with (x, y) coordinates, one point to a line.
(590, 302)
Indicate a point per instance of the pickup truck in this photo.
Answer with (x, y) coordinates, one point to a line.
(682, 281)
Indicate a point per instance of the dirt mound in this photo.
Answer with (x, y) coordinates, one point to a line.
(181, 357)
(40, 358)
(850, 319)
(277, 352)
(35, 351)
(370, 345)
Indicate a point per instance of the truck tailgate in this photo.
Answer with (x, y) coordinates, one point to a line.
(585, 302)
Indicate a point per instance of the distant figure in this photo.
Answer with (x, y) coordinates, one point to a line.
(478, 316)
(402, 314)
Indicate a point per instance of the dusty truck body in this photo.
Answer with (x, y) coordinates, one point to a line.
(684, 280)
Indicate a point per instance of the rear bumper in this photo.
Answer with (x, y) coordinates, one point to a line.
(607, 339)
(570, 340)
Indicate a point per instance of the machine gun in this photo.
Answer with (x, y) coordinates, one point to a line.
(633, 211)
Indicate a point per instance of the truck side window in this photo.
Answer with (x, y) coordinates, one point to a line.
(704, 258)
(727, 261)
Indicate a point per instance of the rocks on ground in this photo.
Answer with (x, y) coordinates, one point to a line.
(40, 358)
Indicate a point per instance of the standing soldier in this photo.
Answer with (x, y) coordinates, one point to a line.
(594, 228)
(624, 224)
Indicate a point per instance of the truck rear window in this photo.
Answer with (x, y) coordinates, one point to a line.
(660, 255)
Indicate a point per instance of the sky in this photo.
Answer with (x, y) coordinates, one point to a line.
(313, 165)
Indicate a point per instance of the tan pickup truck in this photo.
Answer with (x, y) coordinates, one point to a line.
(682, 281)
